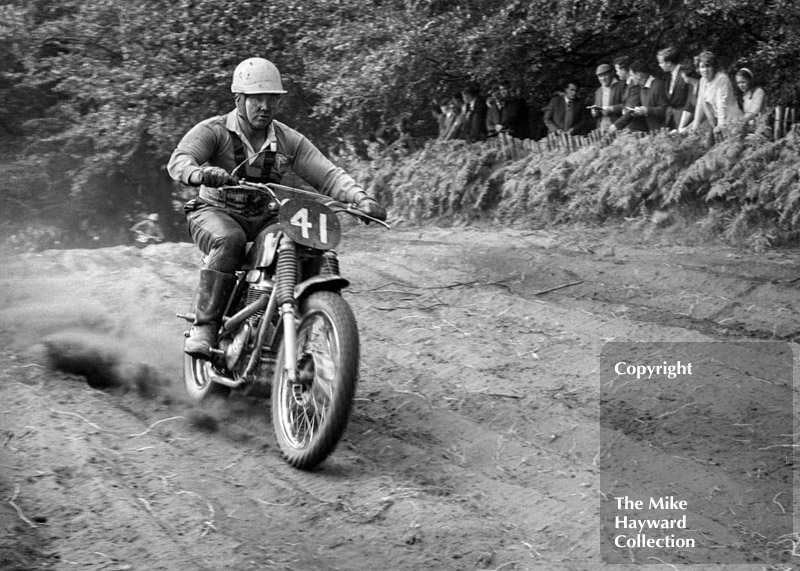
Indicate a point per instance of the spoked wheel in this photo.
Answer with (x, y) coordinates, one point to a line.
(311, 415)
(196, 378)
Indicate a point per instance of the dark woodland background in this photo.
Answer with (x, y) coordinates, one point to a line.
(95, 96)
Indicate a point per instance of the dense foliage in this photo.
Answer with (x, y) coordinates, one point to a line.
(96, 94)
(745, 188)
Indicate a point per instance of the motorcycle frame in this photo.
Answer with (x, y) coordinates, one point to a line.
(288, 325)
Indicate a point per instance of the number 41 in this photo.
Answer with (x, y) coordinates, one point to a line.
(300, 219)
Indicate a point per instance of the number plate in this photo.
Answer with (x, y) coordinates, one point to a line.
(310, 223)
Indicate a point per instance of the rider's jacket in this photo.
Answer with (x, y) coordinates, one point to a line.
(220, 142)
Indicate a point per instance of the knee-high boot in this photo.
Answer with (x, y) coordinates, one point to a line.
(212, 297)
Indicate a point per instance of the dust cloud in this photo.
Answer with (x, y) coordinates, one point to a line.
(107, 316)
(113, 325)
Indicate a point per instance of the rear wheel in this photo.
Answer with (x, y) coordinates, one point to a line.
(310, 417)
(198, 384)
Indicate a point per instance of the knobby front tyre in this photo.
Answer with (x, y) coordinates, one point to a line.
(310, 419)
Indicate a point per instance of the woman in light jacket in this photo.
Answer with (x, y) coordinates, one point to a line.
(716, 99)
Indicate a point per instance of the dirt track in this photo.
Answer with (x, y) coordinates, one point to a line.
(475, 441)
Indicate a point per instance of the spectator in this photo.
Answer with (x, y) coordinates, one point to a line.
(448, 119)
(716, 100)
(692, 81)
(437, 112)
(513, 112)
(607, 97)
(493, 126)
(405, 142)
(563, 114)
(385, 136)
(630, 99)
(753, 98)
(652, 97)
(677, 89)
(474, 127)
(455, 132)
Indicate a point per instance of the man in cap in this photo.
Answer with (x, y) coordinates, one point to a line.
(246, 142)
(607, 97)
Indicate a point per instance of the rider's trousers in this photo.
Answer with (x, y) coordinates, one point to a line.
(222, 234)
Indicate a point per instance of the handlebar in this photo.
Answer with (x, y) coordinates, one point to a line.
(280, 194)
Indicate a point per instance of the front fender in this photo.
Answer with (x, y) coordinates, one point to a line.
(320, 282)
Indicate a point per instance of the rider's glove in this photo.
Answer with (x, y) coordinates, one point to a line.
(215, 177)
(371, 207)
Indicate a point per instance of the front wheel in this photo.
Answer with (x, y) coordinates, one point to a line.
(310, 417)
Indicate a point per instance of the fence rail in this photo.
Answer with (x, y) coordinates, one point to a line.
(782, 120)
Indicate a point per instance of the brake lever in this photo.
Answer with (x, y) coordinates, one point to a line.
(366, 218)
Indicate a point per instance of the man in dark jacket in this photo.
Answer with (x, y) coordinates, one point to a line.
(474, 126)
(669, 60)
(630, 99)
(564, 114)
(652, 97)
(514, 118)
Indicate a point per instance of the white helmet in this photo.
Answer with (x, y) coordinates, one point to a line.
(256, 75)
(153, 217)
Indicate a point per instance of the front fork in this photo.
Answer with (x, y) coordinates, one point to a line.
(289, 341)
(285, 282)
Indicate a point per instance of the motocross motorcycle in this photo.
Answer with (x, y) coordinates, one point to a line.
(287, 331)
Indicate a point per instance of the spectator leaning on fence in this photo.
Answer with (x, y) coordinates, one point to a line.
(493, 102)
(652, 96)
(753, 98)
(514, 117)
(474, 126)
(677, 89)
(447, 118)
(692, 81)
(630, 99)
(716, 100)
(607, 98)
(457, 106)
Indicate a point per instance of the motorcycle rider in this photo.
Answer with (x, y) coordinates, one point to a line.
(148, 230)
(222, 221)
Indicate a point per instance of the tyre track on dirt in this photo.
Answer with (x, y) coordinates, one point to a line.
(106, 513)
(472, 444)
(720, 296)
